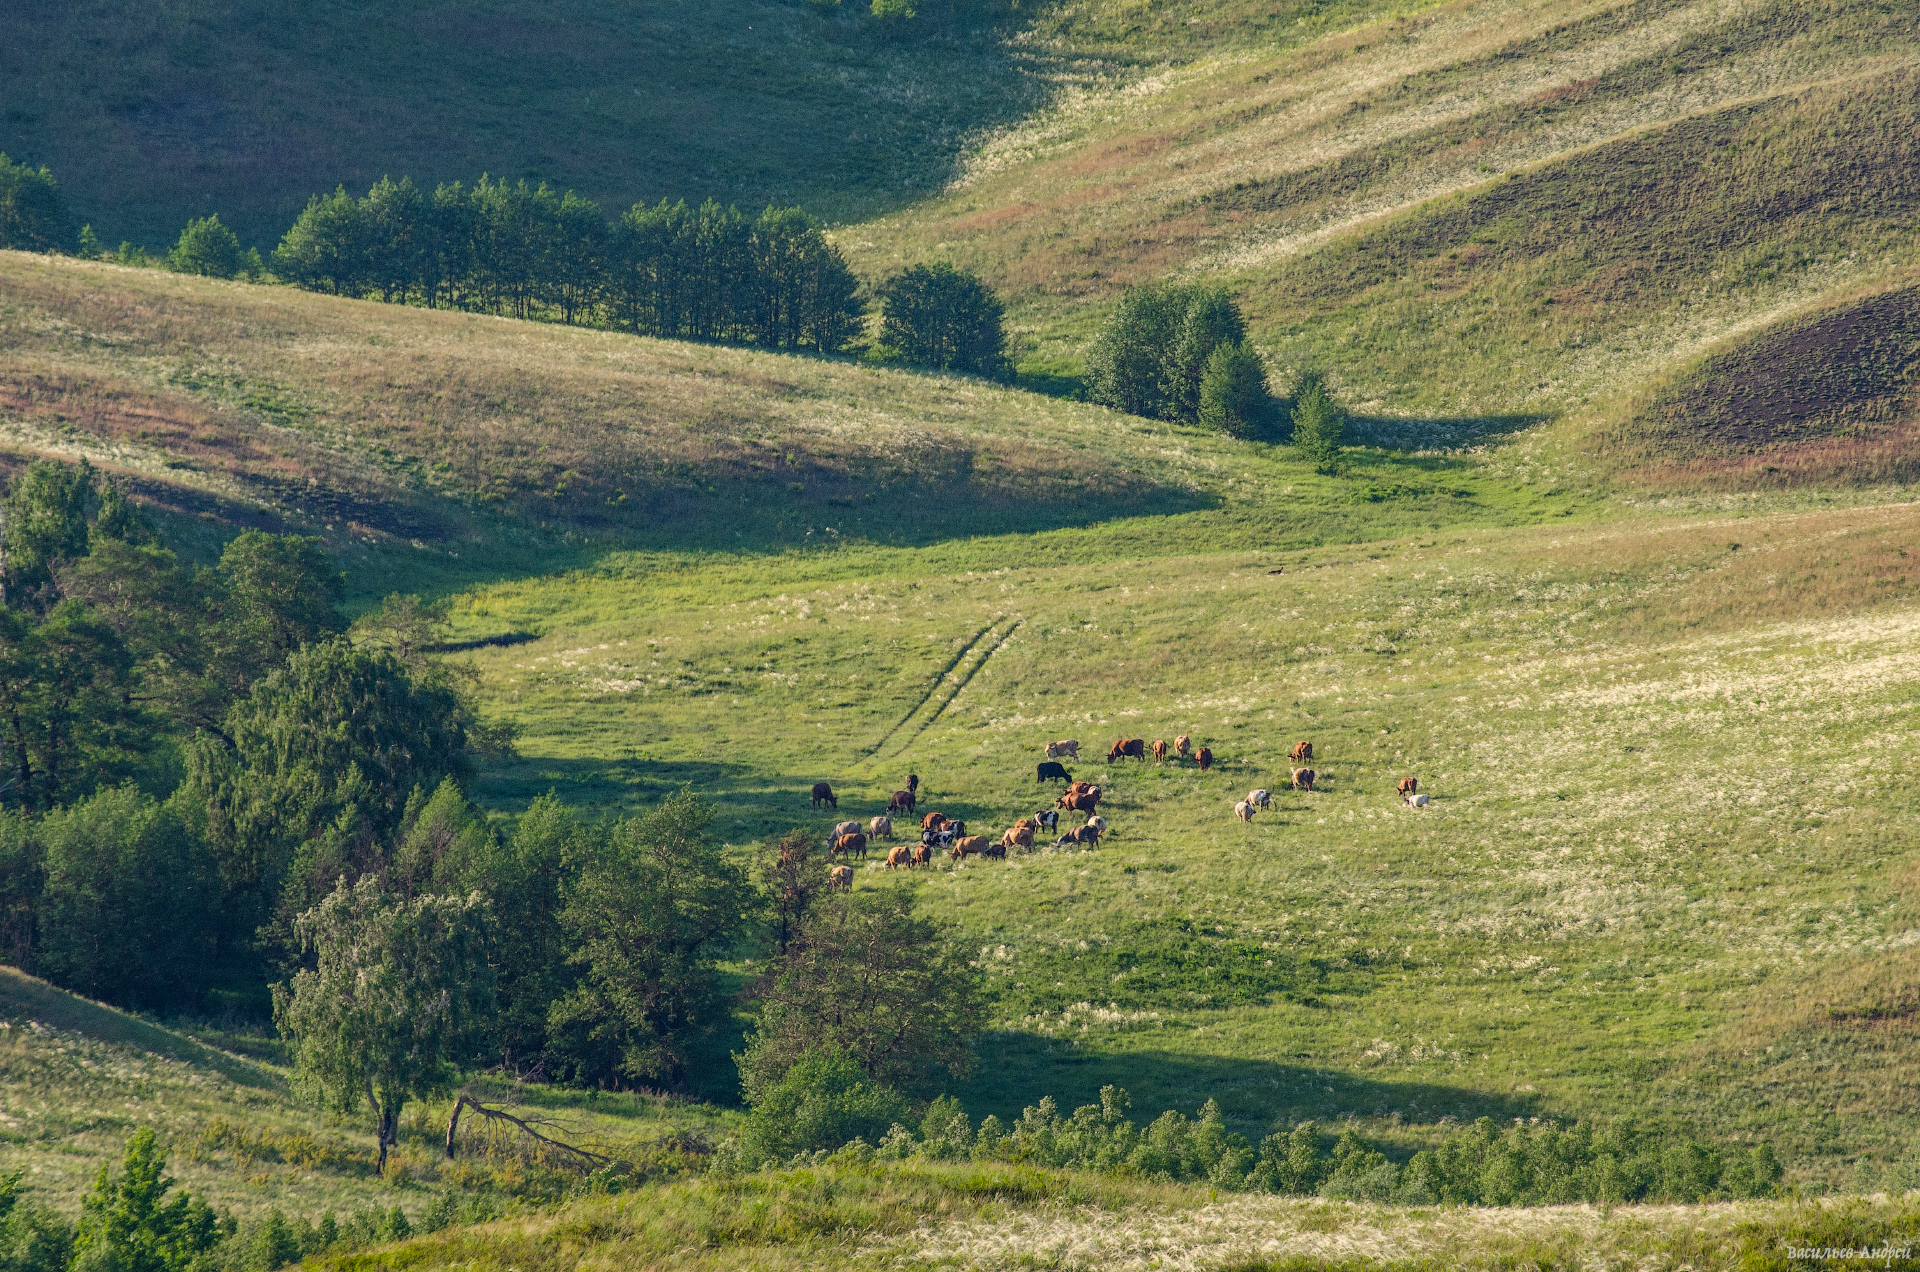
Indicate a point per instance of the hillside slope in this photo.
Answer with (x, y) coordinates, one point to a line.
(1505, 206)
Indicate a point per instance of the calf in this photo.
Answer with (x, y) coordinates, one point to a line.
(1053, 770)
(845, 828)
(823, 794)
(1303, 779)
(1259, 799)
(882, 827)
(847, 845)
(841, 877)
(1301, 751)
(922, 855)
(1408, 785)
(1069, 749)
(1080, 835)
(899, 858)
(1204, 758)
(1183, 746)
(1159, 749)
(1243, 810)
(902, 802)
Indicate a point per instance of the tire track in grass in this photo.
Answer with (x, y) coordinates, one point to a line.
(964, 680)
(934, 686)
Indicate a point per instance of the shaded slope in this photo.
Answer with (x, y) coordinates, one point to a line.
(1820, 395)
(384, 422)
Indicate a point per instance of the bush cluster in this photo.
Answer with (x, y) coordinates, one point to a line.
(1535, 1163)
(1179, 352)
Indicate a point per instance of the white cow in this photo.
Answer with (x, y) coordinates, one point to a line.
(1070, 749)
(1418, 801)
(881, 828)
(1260, 799)
(1243, 810)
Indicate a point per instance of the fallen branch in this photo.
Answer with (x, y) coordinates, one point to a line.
(528, 1126)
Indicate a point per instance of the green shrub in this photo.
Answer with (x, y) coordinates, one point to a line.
(823, 1102)
(33, 215)
(211, 250)
(1151, 358)
(1319, 425)
(940, 317)
(32, 1237)
(1233, 392)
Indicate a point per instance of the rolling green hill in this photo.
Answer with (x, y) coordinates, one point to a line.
(1623, 296)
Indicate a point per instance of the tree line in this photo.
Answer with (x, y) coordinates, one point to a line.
(669, 270)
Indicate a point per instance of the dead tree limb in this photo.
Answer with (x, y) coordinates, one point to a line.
(528, 1127)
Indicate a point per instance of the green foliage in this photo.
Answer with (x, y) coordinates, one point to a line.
(68, 720)
(89, 246)
(314, 776)
(1152, 356)
(46, 524)
(33, 214)
(32, 1237)
(823, 1101)
(703, 273)
(1233, 392)
(646, 919)
(396, 998)
(208, 248)
(127, 1223)
(121, 870)
(1319, 424)
(862, 975)
(283, 592)
(938, 316)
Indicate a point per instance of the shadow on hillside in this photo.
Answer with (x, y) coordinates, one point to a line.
(1413, 433)
(1016, 1070)
(24, 998)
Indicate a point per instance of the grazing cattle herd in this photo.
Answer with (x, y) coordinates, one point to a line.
(942, 834)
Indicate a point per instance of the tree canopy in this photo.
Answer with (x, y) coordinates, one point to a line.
(940, 317)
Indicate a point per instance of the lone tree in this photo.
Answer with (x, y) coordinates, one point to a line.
(210, 249)
(398, 995)
(938, 316)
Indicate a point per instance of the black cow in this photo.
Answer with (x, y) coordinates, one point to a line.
(823, 794)
(1052, 770)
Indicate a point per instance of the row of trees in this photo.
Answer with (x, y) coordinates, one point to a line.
(527, 251)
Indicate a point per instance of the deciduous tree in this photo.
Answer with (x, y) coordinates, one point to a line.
(395, 1000)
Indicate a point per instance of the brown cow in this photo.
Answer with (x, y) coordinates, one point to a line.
(841, 877)
(1183, 746)
(1085, 802)
(1204, 758)
(1135, 748)
(968, 845)
(823, 794)
(1019, 836)
(881, 827)
(1408, 785)
(1159, 749)
(899, 857)
(1301, 751)
(902, 802)
(847, 845)
(933, 821)
(1089, 835)
(1303, 779)
(922, 854)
